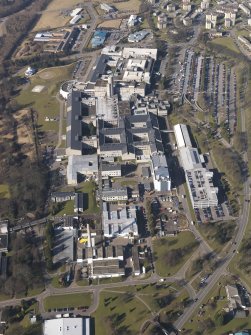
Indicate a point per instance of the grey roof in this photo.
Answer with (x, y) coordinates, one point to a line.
(111, 167)
(100, 68)
(62, 194)
(79, 200)
(115, 192)
(3, 241)
(74, 120)
(135, 257)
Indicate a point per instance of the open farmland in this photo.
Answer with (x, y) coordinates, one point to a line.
(45, 103)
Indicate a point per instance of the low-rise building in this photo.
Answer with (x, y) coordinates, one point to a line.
(160, 173)
(162, 21)
(234, 299)
(81, 166)
(137, 36)
(75, 19)
(98, 38)
(111, 170)
(132, 21)
(245, 9)
(107, 8)
(62, 196)
(4, 236)
(3, 266)
(115, 195)
(76, 11)
(106, 268)
(67, 326)
(80, 202)
(119, 220)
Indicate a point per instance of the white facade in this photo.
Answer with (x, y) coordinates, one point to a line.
(76, 11)
(160, 172)
(111, 171)
(106, 7)
(75, 19)
(140, 52)
(182, 136)
(115, 195)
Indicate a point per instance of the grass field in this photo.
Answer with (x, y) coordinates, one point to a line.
(226, 42)
(89, 188)
(164, 245)
(110, 24)
(54, 15)
(68, 300)
(213, 305)
(45, 102)
(4, 191)
(68, 208)
(120, 311)
(131, 5)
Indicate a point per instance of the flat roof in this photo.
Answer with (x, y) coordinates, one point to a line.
(67, 326)
(99, 68)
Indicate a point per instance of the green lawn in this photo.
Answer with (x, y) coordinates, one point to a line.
(214, 305)
(89, 188)
(163, 246)
(122, 312)
(45, 102)
(211, 233)
(189, 202)
(4, 191)
(68, 300)
(226, 42)
(68, 208)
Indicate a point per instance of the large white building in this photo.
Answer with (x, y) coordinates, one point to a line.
(81, 165)
(67, 326)
(160, 173)
(139, 52)
(199, 180)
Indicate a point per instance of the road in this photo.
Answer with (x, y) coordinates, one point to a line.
(225, 261)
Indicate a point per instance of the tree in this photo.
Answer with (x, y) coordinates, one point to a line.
(219, 318)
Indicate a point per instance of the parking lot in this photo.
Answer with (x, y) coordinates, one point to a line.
(215, 213)
(199, 77)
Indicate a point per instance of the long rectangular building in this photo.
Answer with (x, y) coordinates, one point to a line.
(199, 179)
